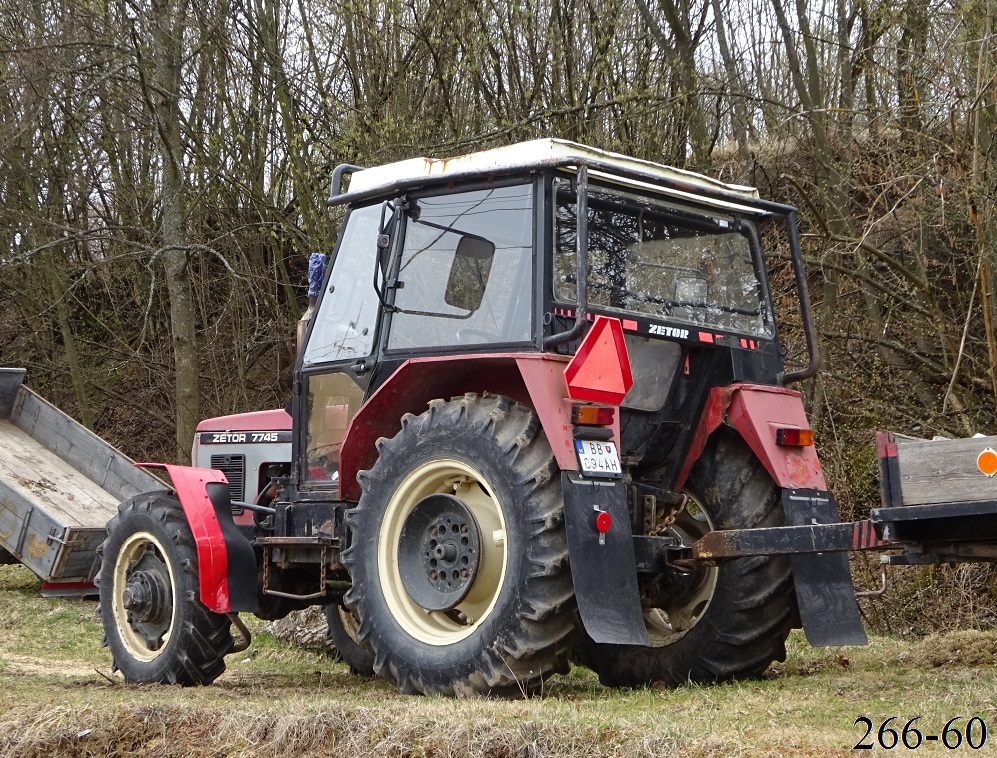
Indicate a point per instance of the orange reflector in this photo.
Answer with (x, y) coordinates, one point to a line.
(592, 415)
(794, 437)
(603, 522)
(987, 461)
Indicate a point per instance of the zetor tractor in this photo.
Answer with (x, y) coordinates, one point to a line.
(540, 414)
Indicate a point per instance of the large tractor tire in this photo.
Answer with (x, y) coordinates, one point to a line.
(458, 554)
(342, 633)
(720, 623)
(156, 627)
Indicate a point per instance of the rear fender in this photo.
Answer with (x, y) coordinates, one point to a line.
(536, 379)
(825, 594)
(226, 561)
(756, 412)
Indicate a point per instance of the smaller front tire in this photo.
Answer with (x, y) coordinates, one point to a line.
(157, 629)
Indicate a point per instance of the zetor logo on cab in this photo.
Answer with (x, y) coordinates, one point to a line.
(669, 331)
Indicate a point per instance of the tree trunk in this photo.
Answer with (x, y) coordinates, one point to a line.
(167, 22)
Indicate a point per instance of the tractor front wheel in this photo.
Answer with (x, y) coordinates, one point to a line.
(458, 553)
(157, 629)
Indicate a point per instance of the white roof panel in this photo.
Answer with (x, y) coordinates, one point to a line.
(540, 151)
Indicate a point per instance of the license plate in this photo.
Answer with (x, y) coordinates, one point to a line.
(598, 458)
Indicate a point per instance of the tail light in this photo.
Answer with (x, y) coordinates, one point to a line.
(592, 415)
(794, 437)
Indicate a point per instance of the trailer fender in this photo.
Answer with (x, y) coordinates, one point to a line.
(603, 564)
(226, 560)
(757, 412)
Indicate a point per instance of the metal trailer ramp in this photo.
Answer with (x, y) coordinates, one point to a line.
(59, 486)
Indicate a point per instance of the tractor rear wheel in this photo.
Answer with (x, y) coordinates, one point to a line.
(458, 553)
(156, 627)
(719, 623)
(342, 633)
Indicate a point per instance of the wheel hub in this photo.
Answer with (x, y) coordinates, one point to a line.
(147, 601)
(439, 552)
(144, 597)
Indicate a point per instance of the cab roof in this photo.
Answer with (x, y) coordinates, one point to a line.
(553, 153)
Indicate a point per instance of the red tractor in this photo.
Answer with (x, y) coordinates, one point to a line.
(540, 411)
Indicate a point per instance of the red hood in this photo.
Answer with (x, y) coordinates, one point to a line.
(275, 420)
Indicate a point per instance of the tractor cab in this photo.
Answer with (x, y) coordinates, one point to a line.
(489, 254)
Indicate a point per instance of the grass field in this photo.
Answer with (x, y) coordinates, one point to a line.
(60, 698)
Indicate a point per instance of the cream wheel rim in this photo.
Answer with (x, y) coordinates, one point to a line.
(450, 477)
(667, 625)
(349, 622)
(142, 567)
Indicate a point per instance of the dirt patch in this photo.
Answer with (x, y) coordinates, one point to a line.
(969, 648)
(29, 665)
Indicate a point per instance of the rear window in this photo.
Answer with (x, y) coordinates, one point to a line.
(652, 260)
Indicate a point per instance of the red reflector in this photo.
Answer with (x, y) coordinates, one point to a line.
(794, 437)
(592, 415)
(600, 371)
(603, 521)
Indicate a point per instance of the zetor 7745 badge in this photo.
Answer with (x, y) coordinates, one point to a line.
(598, 458)
(229, 438)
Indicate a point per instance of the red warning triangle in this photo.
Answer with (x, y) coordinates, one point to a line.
(600, 371)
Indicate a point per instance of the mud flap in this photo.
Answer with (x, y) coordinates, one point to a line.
(241, 569)
(604, 575)
(824, 590)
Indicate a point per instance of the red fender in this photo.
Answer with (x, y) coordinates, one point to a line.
(212, 555)
(536, 379)
(756, 411)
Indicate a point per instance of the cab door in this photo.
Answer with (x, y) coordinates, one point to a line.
(335, 365)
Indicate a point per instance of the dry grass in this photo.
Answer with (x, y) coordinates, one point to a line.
(280, 701)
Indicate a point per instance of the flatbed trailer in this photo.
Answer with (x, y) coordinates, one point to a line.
(59, 486)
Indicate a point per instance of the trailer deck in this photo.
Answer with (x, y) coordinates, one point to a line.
(59, 486)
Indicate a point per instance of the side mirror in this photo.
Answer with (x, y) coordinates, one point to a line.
(475, 248)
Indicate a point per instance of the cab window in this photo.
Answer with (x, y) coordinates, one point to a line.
(345, 322)
(465, 270)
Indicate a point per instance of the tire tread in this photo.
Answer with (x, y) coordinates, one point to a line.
(201, 641)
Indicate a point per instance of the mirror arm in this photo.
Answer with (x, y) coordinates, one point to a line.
(452, 230)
